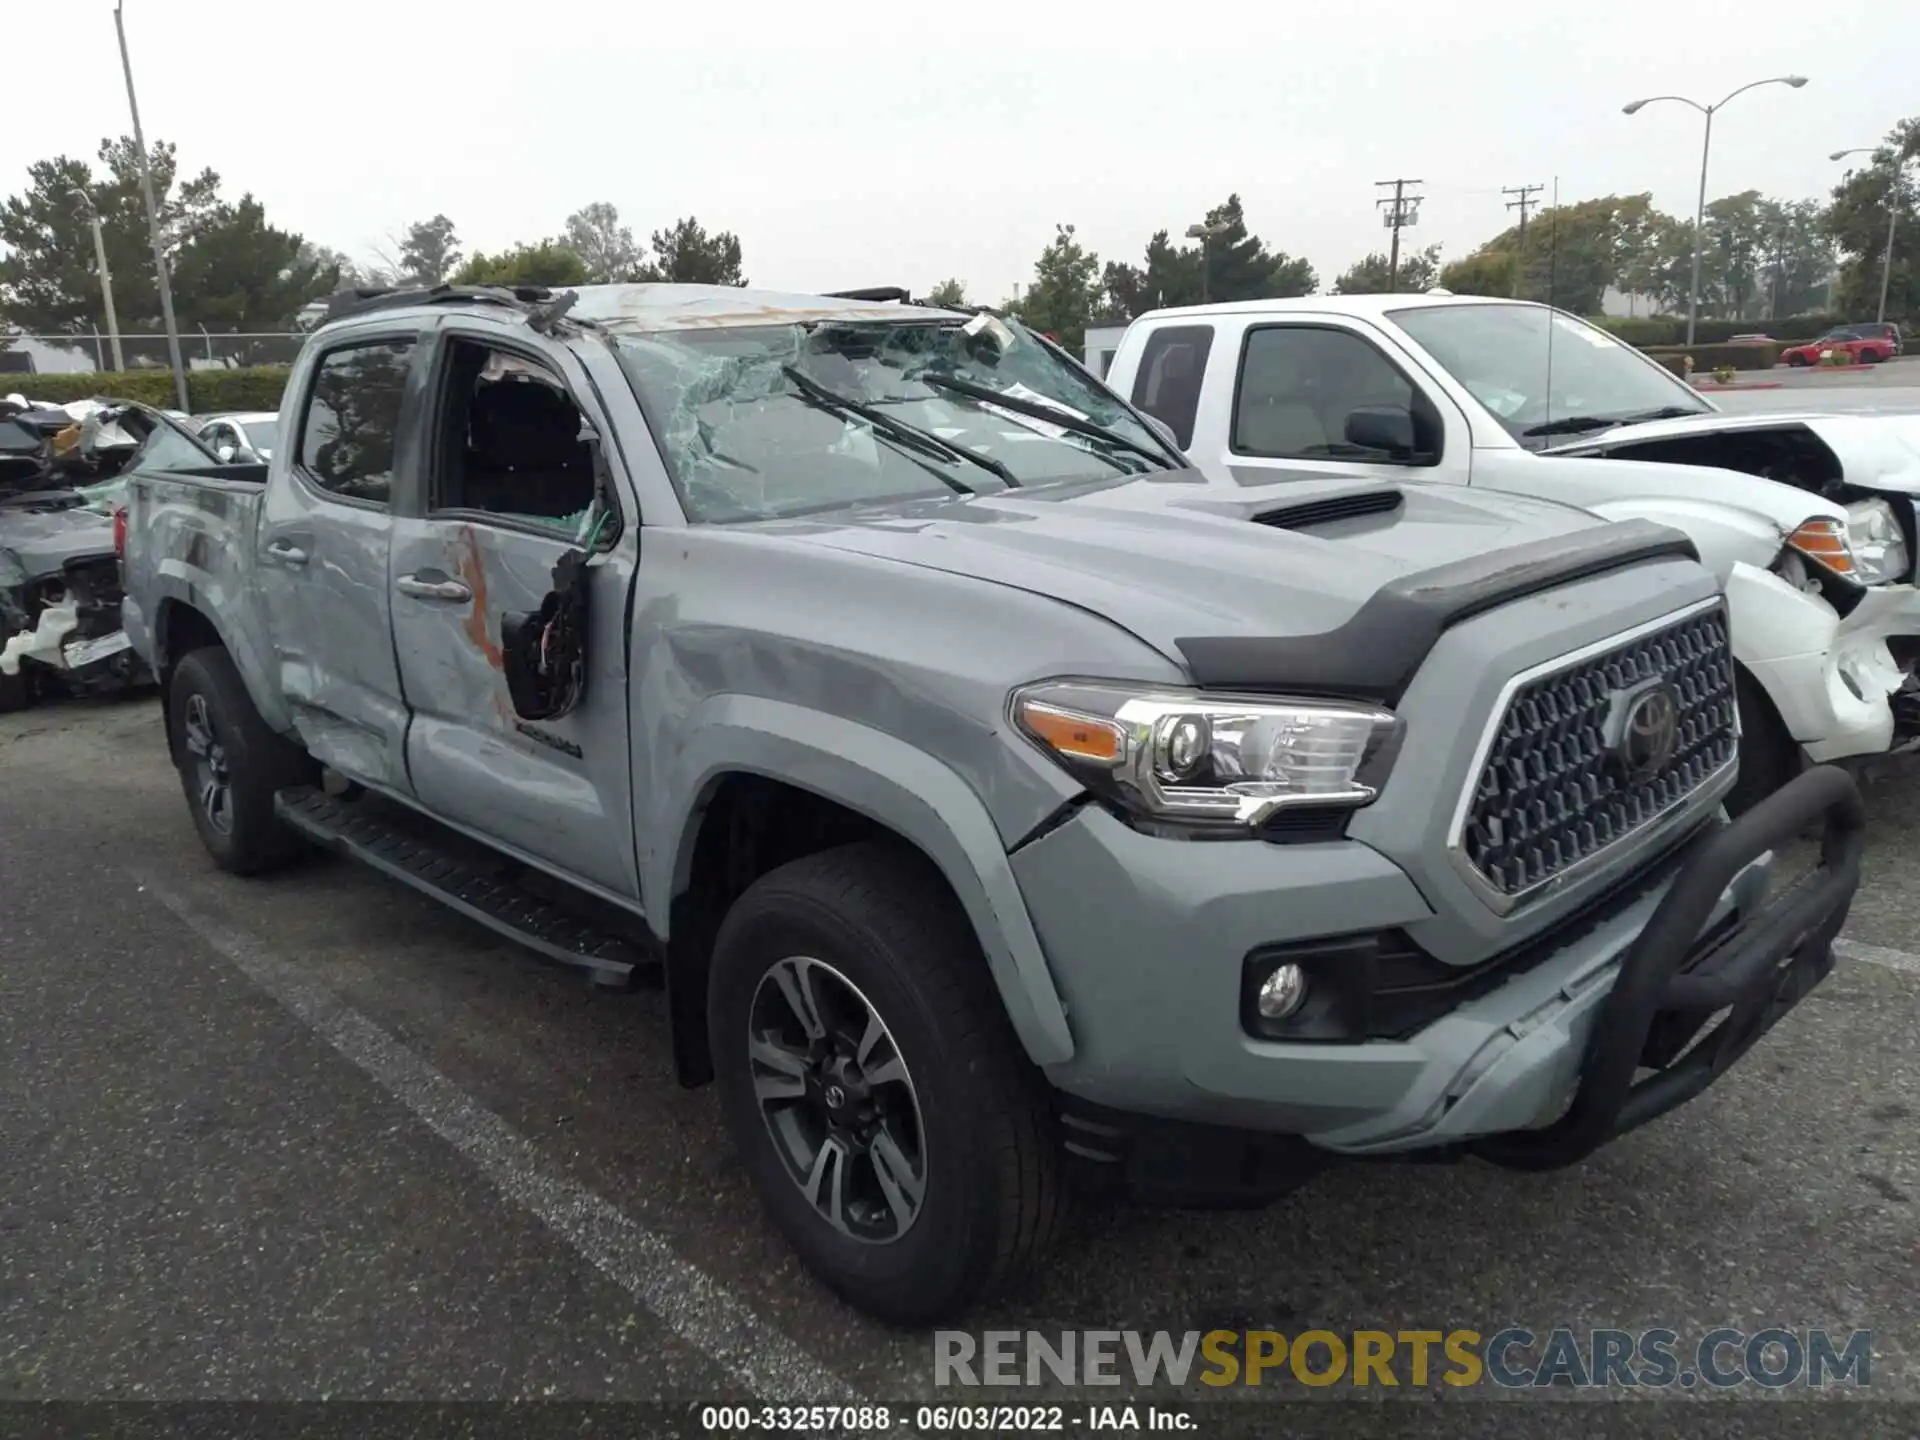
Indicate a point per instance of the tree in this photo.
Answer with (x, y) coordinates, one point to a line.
(429, 251)
(1485, 272)
(1574, 253)
(1857, 221)
(687, 255)
(550, 262)
(241, 274)
(595, 234)
(351, 276)
(48, 277)
(1737, 236)
(1799, 256)
(1065, 290)
(1419, 270)
(1240, 267)
(947, 292)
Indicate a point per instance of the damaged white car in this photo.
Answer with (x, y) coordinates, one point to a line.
(59, 571)
(1809, 520)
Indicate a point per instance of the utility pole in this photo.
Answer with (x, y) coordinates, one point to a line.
(153, 224)
(1399, 209)
(1523, 204)
(106, 278)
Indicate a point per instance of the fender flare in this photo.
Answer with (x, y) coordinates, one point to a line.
(173, 586)
(892, 783)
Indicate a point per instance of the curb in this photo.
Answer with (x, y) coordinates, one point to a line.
(1763, 385)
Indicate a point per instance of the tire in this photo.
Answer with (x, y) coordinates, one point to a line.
(1769, 756)
(1796, 362)
(220, 744)
(16, 691)
(868, 924)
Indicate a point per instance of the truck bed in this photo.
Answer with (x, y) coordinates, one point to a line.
(190, 537)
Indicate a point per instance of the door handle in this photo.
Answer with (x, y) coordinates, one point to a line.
(423, 589)
(287, 553)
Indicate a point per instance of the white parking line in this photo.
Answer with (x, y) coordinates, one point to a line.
(688, 1301)
(1877, 955)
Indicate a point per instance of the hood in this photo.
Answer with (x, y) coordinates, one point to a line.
(36, 541)
(1877, 449)
(1173, 556)
(1583, 478)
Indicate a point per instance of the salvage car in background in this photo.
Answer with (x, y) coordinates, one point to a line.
(59, 574)
(1809, 521)
(1856, 344)
(242, 437)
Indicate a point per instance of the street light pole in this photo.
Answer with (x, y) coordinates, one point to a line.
(1895, 190)
(1706, 145)
(153, 221)
(1204, 233)
(106, 278)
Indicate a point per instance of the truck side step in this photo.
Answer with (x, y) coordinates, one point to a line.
(405, 853)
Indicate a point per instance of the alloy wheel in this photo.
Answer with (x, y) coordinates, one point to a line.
(837, 1099)
(213, 782)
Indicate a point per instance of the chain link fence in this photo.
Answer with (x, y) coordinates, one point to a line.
(199, 350)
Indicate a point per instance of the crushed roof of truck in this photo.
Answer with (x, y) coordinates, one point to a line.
(632, 309)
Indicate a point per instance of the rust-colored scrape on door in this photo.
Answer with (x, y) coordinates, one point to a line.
(473, 570)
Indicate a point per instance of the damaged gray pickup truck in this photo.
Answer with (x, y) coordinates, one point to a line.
(999, 800)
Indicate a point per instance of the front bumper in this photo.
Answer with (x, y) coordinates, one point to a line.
(1834, 679)
(1536, 1071)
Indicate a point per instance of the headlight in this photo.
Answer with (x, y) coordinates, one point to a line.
(1224, 763)
(1879, 544)
(1868, 547)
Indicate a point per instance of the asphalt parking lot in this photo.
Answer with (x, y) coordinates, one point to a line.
(314, 1136)
(1892, 386)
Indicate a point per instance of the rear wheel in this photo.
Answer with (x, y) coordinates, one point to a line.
(874, 1087)
(1769, 756)
(16, 691)
(231, 765)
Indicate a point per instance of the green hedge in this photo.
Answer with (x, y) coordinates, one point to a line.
(1655, 330)
(1746, 355)
(208, 391)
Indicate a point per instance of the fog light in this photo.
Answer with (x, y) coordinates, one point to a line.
(1282, 991)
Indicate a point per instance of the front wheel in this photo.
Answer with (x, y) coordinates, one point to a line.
(231, 765)
(1769, 756)
(873, 1085)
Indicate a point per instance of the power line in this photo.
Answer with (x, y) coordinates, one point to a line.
(1525, 203)
(1399, 210)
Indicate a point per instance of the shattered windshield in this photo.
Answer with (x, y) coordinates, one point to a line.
(764, 421)
(1543, 374)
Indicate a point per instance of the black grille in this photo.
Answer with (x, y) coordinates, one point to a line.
(1553, 791)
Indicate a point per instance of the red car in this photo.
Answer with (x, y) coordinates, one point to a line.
(1859, 346)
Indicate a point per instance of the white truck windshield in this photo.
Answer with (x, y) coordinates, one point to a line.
(1541, 373)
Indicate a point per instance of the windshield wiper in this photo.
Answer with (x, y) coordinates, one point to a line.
(1064, 419)
(909, 437)
(1574, 424)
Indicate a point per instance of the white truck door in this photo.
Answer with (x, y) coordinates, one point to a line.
(1323, 394)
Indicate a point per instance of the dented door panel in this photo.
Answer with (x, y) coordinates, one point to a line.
(322, 571)
(558, 789)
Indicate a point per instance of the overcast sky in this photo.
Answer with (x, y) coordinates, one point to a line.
(856, 144)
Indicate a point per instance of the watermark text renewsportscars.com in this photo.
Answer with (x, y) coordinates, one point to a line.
(1510, 1358)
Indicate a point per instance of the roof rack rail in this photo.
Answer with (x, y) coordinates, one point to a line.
(875, 292)
(395, 297)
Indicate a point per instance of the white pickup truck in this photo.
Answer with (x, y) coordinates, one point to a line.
(1809, 520)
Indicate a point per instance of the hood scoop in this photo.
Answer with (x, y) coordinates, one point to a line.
(1326, 509)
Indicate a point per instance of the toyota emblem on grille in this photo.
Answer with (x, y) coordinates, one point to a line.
(1649, 732)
